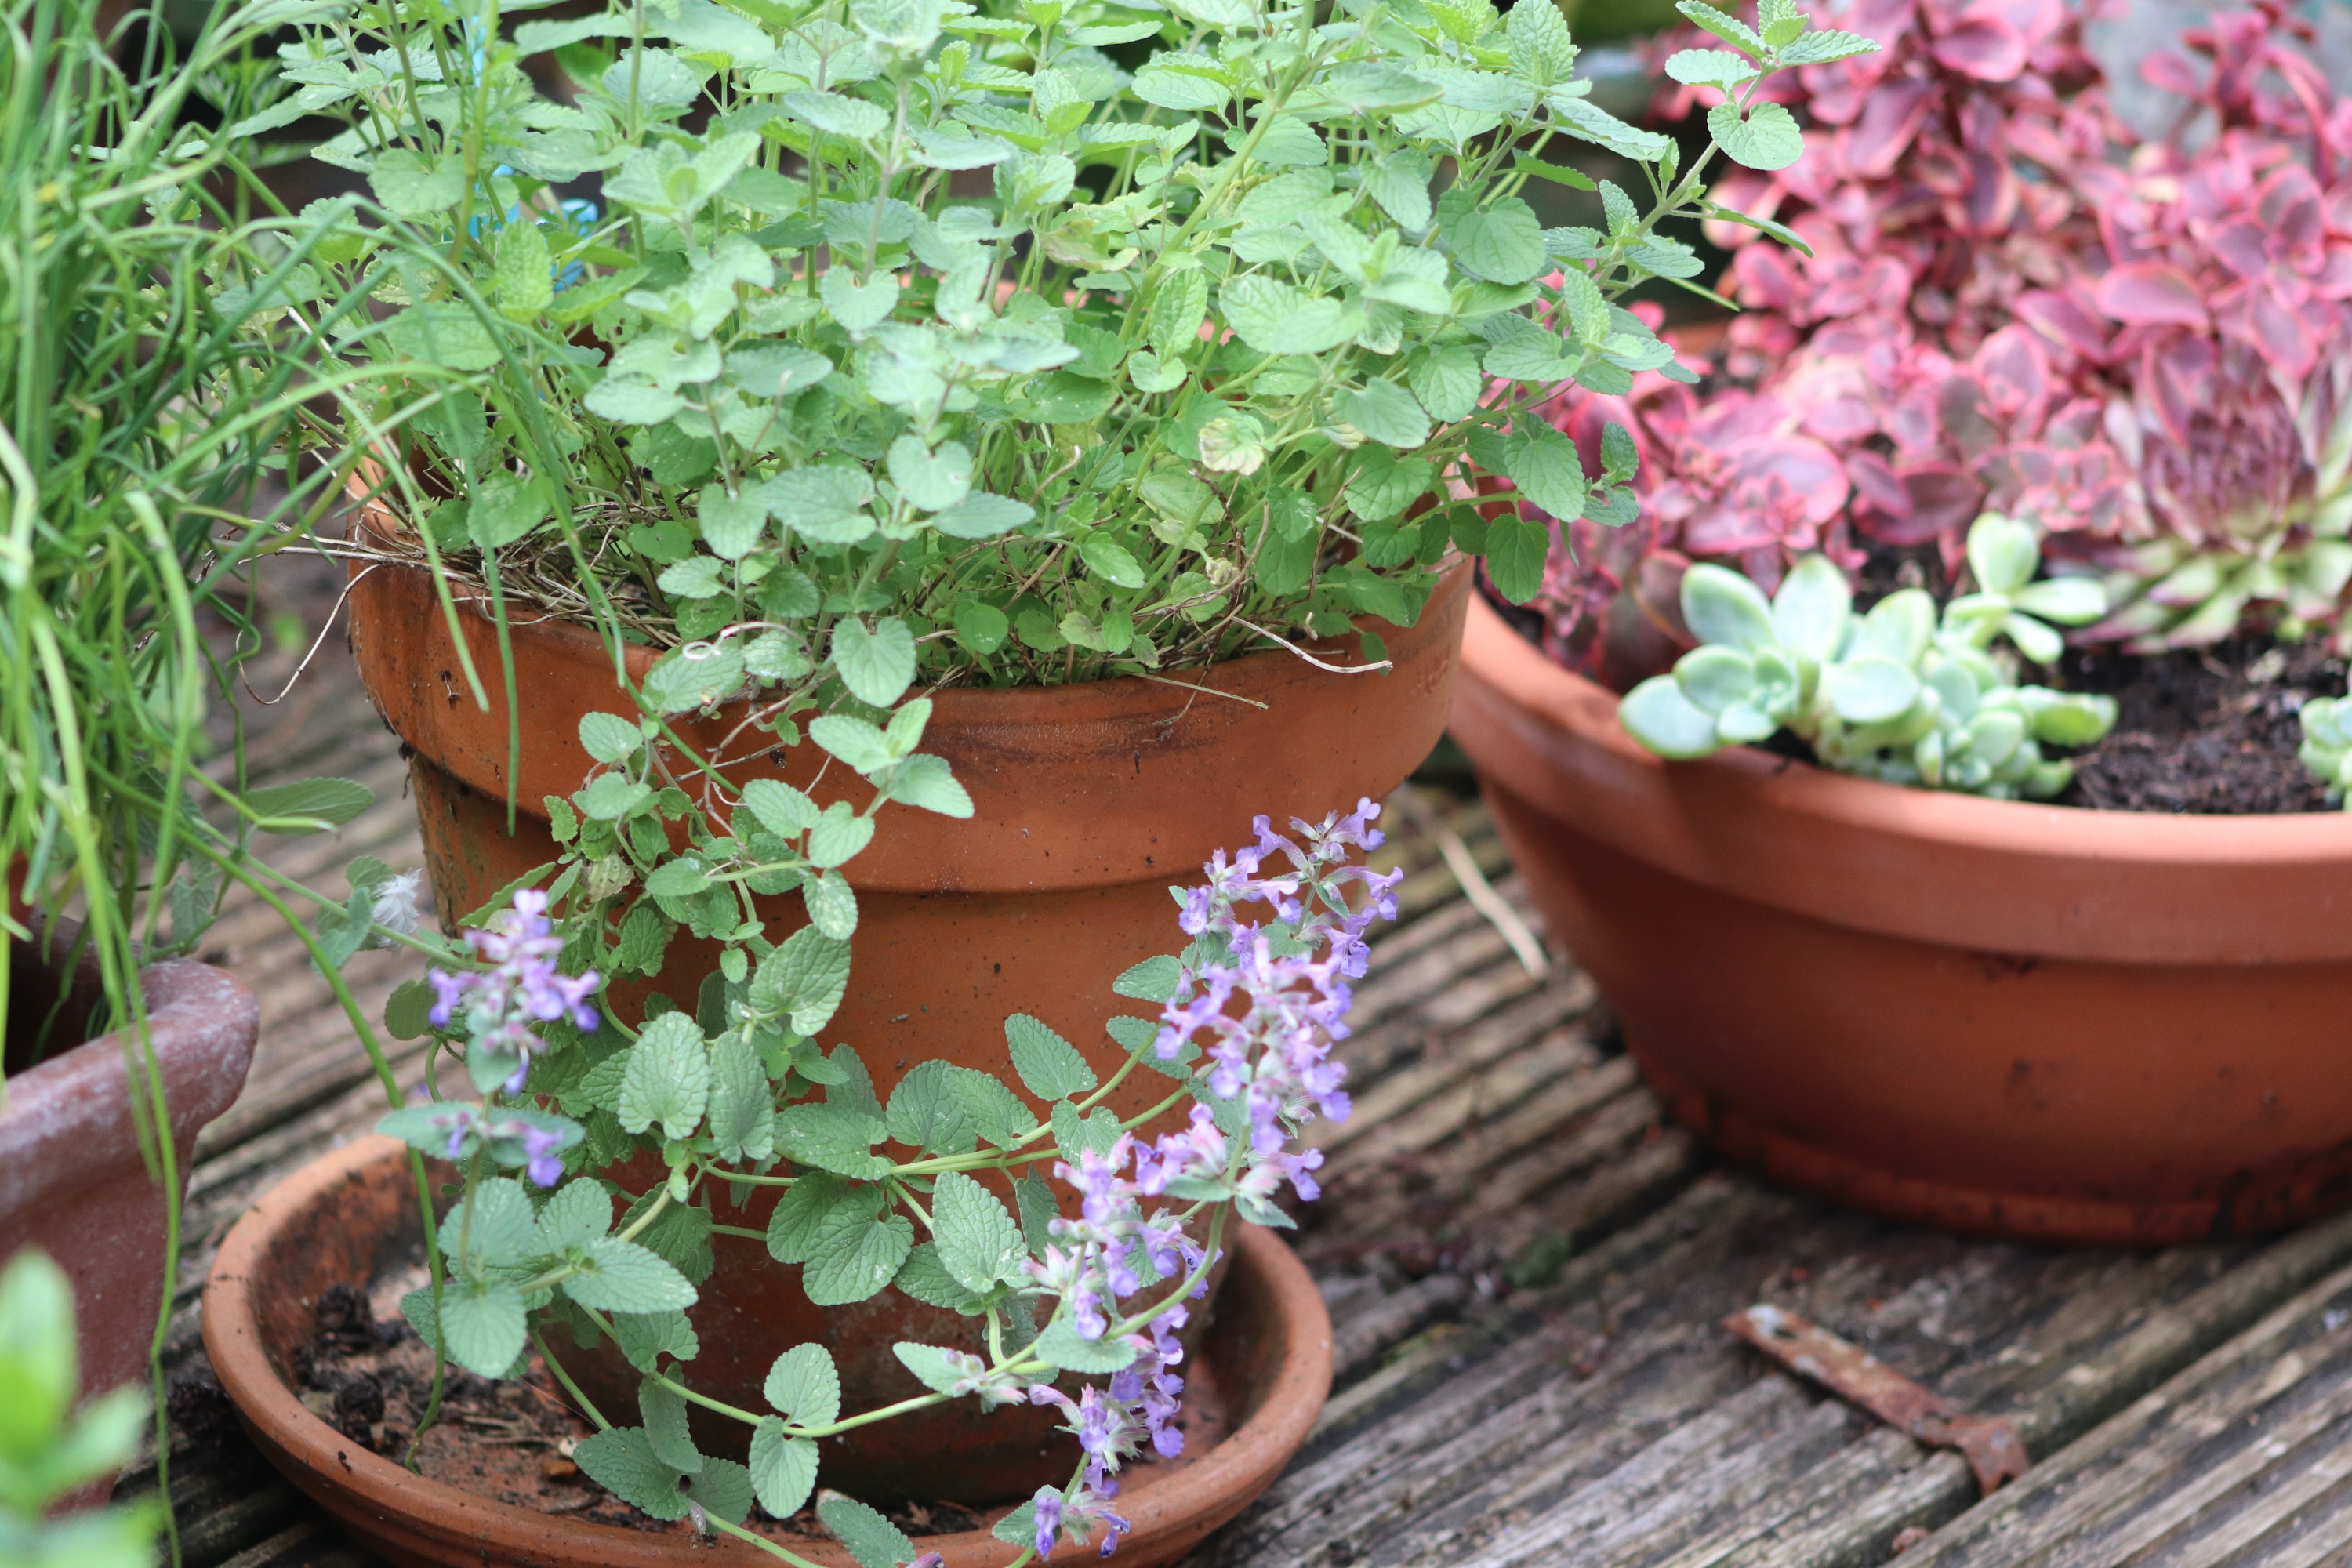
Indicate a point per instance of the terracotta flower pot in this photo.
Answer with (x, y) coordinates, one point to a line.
(2006, 1019)
(71, 1179)
(1269, 1357)
(1089, 801)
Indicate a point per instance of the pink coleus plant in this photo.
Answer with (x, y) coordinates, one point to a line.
(2014, 303)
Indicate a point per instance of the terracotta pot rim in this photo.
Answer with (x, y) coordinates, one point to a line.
(1494, 653)
(1239, 1466)
(191, 1008)
(574, 641)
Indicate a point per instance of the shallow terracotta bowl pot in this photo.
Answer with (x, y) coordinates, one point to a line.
(2003, 1017)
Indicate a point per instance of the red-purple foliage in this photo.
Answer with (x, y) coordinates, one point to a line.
(2013, 303)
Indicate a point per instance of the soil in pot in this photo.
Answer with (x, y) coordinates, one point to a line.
(2211, 731)
(1261, 1377)
(367, 1374)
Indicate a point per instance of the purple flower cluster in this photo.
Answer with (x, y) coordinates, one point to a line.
(542, 1147)
(1265, 1002)
(1294, 975)
(501, 1005)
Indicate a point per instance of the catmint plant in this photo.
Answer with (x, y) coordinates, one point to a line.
(1247, 1015)
(1003, 343)
(1892, 694)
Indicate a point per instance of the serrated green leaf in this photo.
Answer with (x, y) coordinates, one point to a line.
(663, 1411)
(609, 738)
(872, 1540)
(1502, 243)
(838, 835)
(667, 1080)
(1385, 411)
(926, 1279)
(877, 666)
(855, 1254)
(928, 1112)
(791, 1224)
(783, 1468)
(1050, 1066)
(1543, 463)
(1061, 1346)
(781, 809)
(622, 1461)
(502, 1229)
(977, 1239)
(1154, 980)
(1515, 552)
(481, 1324)
(742, 1110)
(805, 1384)
(1767, 138)
(580, 1211)
(803, 980)
(619, 1275)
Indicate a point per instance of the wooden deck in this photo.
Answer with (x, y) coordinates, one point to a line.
(1527, 1270)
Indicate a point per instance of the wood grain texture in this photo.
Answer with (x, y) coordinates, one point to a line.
(1527, 1268)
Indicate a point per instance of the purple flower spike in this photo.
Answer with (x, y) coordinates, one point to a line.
(1049, 1520)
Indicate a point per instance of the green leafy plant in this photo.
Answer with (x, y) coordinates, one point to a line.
(47, 1449)
(1891, 694)
(1001, 343)
(740, 1094)
(148, 394)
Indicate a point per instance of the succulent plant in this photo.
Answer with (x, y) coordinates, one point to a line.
(2327, 743)
(1894, 694)
(2015, 301)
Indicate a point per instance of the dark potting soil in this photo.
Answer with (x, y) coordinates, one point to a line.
(2210, 731)
(368, 1376)
(2207, 730)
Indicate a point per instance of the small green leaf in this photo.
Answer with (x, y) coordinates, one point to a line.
(1050, 1066)
(803, 979)
(619, 1275)
(1061, 1346)
(295, 807)
(482, 1324)
(621, 1460)
(838, 835)
(855, 1254)
(1154, 980)
(783, 1468)
(667, 1080)
(609, 738)
(1515, 552)
(876, 666)
(805, 1387)
(1502, 243)
(1543, 463)
(872, 1540)
(1767, 138)
(976, 1236)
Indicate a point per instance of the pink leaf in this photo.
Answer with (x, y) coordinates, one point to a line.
(1990, 48)
(2151, 293)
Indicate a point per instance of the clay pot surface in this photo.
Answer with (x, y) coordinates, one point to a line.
(1089, 802)
(2001, 1017)
(345, 1216)
(71, 1179)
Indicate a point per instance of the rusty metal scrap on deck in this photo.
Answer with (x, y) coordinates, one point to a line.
(1990, 1445)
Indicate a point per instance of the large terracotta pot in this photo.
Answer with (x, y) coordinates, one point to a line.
(2005, 1018)
(72, 1181)
(1267, 1361)
(1089, 801)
